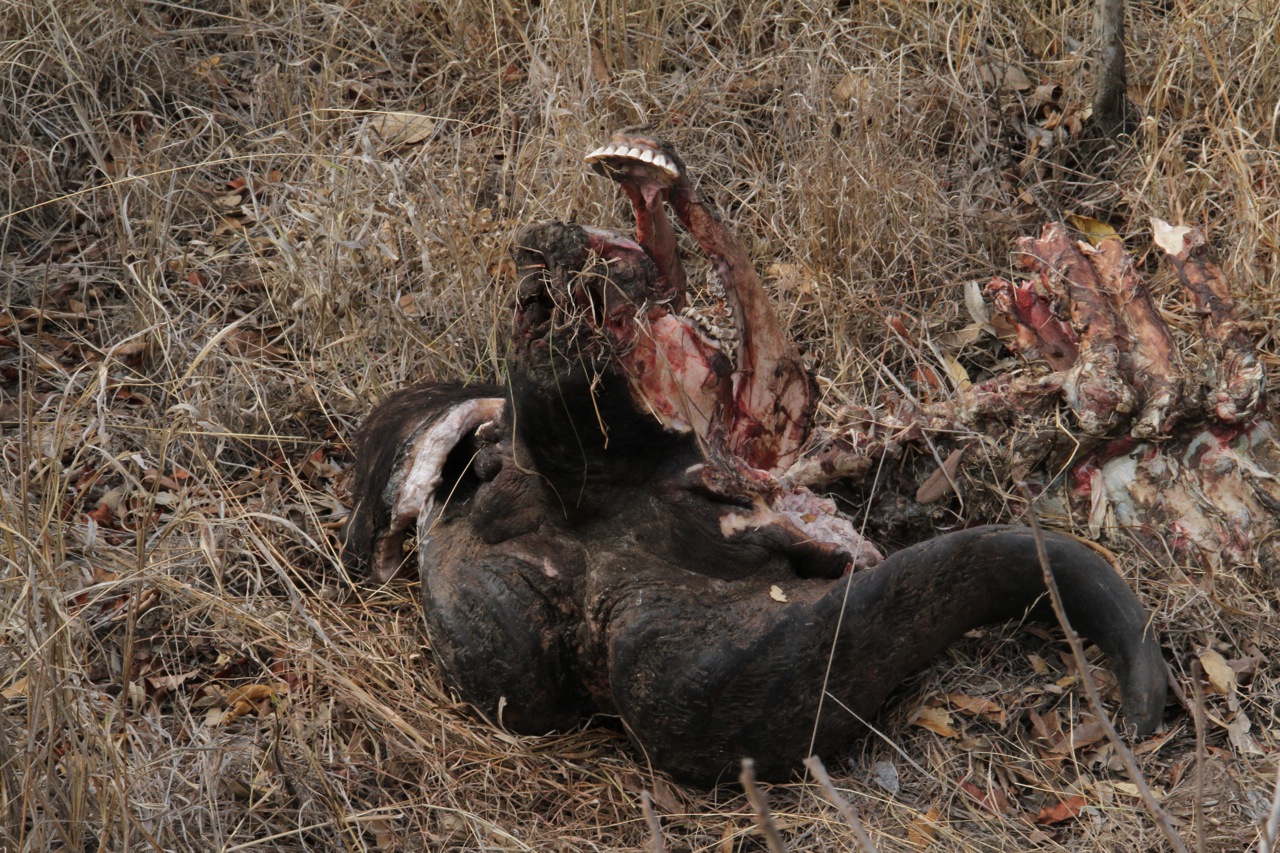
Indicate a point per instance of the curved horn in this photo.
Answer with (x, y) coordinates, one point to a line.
(402, 450)
(676, 652)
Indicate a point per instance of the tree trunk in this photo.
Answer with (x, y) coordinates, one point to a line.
(1109, 82)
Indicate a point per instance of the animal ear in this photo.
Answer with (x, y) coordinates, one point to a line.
(407, 449)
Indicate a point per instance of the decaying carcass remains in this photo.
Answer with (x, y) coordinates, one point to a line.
(626, 529)
(1117, 429)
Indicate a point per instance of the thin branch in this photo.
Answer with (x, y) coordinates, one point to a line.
(1272, 828)
(759, 805)
(656, 844)
(1197, 715)
(1091, 689)
(846, 809)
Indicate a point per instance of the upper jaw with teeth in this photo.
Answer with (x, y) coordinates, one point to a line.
(633, 151)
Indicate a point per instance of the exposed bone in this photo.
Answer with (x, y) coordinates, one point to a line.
(762, 416)
(829, 465)
(638, 151)
(1240, 381)
(1095, 389)
(424, 464)
(1193, 475)
(1040, 333)
(772, 392)
(673, 372)
(409, 435)
(1158, 381)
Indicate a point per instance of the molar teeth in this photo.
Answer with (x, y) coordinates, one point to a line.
(662, 162)
(596, 155)
(633, 153)
(646, 156)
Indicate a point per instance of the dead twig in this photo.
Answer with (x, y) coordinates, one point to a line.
(1197, 803)
(1091, 689)
(656, 844)
(760, 806)
(846, 809)
(1272, 827)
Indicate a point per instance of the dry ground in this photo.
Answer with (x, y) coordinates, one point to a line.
(216, 251)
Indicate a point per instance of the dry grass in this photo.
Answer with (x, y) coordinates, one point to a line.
(181, 368)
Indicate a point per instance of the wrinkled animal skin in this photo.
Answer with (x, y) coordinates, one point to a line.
(609, 535)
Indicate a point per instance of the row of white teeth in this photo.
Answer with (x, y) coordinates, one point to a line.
(721, 338)
(644, 155)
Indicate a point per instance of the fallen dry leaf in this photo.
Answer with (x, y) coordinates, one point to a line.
(170, 682)
(385, 833)
(599, 62)
(854, 87)
(1169, 237)
(206, 65)
(103, 516)
(396, 129)
(727, 837)
(17, 690)
(1245, 667)
(1127, 789)
(977, 706)
(1065, 810)
(409, 304)
(1081, 736)
(1222, 678)
(1045, 94)
(1015, 79)
(936, 720)
(956, 371)
(993, 800)
(940, 482)
(1094, 231)
(1239, 730)
(1047, 726)
(251, 343)
(251, 693)
(924, 827)
(885, 775)
(248, 699)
